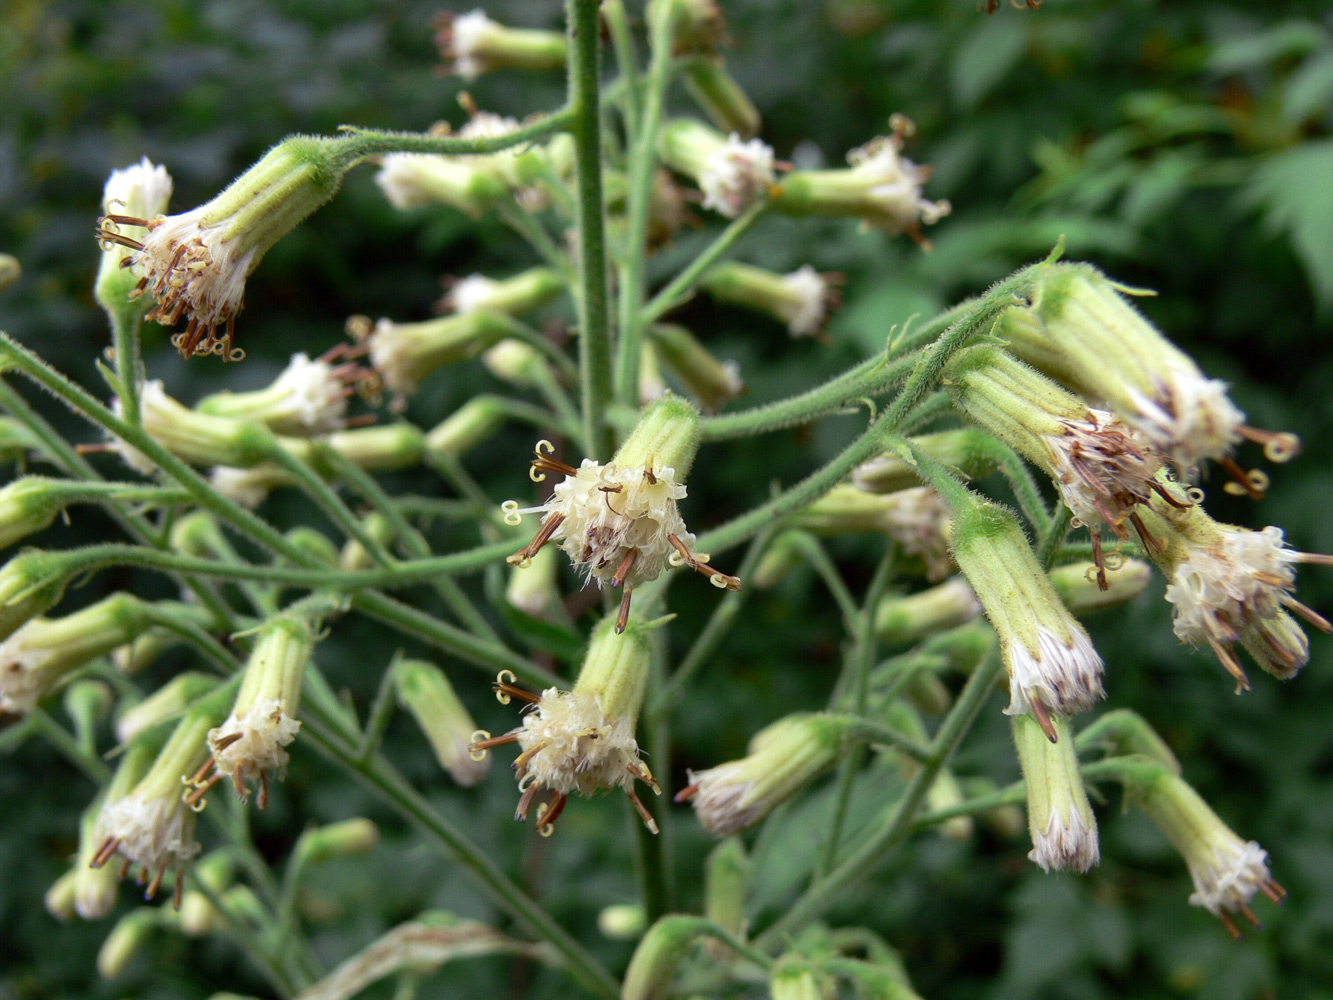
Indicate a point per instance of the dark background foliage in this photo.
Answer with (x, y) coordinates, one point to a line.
(1182, 146)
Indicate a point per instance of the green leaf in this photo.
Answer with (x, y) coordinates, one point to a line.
(1292, 189)
(986, 56)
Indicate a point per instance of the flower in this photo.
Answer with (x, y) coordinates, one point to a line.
(1060, 818)
(619, 522)
(800, 299)
(472, 44)
(1053, 667)
(405, 353)
(732, 173)
(783, 758)
(195, 263)
(880, 186)
(708, 379)
(1230, 584)
(308, 397)
(251, 741)
(1226, 870)
(582, 740)
(198, 438)
(511, 296)
(426, 693)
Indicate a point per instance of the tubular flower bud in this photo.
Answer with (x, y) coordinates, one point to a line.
(658, 956)
(337, 840)
(619, 522)
(881, 187)
(944, 606)
(405, 353)
(94, 889)
(517, 363)
(732, 174)
(10, 271)
(465, 428)
(197, 438)
(353, 555)
(792, 979)
(969, 451)
(1080, 329)
(915, 518)
(130, 934)
(472, 44)
(307, 398)
(27, 588)
(727, 874)
(721, 97)
(696, 25)
(711, 381)
(1064, 830)
(252, 740)
(801, 299)
(1226, 870)
(1079, 584)
(652, 387)
(1232, 585)
(425, 692)
(38, 655)
(783, 759)
(27, 505)
(514, 296)
(1053, 667)
(582, 740)
(195, 264)
(470, 182)
(168, 701)
(150, 824)
(1101, 467)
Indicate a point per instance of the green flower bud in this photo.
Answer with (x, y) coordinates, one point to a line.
(727, 874)
(534, 589)
(468, 426)
(337, 840)
(167, 702)
(621, 921)
(405, 353)
(799, 300)
(944, 792)
(514, 296)
(312, 542)
(732, 174)
(472, 44)
(912, 618)
(59, 899)
(193, 437)
(657, 958)
(793, 979)
(881, 187)
(1005, 821)
(916, 518)
(126, 939)
(711, 381)
(695, 25)
(784, 758)
(10, 271)
(969, 451)
(30, 583)
(426, 693)
(27, 505)
(517, 363)
(198, 916)
(1079, 587)
(1060, 819)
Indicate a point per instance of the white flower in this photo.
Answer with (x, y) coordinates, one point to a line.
(253, 742)
(1062, 676)
(247, 487)
(893, 185)
(467, 35)
(153, 831)
(1066, 844)
(1189, 417)
(607, 519)
(803, 311)
(141, 191)
(312, 396)
(22, 682)
(735, 175)
(412, 179)
(569, 745)
(1228, 876)
(1101, 469)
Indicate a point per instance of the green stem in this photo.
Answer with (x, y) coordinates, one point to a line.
(638, 197)
(818, 557)
(355, 145)
(897, 824)
(594, 319)
(1049, 546)
(627, 61)
(684, 282)
(313, 485)
(390, 786)
(55, 734)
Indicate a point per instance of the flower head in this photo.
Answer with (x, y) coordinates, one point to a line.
(800, 299)
(198, 438)
(472, 44)
(880, 186)
(405, 353)
(195, 264)
(732, 173)
(619, 522)
(1060, 818)
(1232, 585)
(1053, 667)
(308, 397)
(1226, 870)
(783, 758)
(426, 693)
(582, 740)
(511, 296)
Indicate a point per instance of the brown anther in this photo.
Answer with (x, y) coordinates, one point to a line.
(686, 793)
(606, 495)
(1044, 720)
(1273, 891)
(1149, 542)
(521, 761)
(552, 813)
(525, 802)
(1230, 925)
(104, 852)
(222, 742)
(622, 616)
(625, 566)
(1279, 446)
(544, 463)
(544, 533)
(1228, 660)
(494, 741)
(1309, 614)
(504, 688)
(154, 885)
(1168, 496)
(1099, 560)
(261, 800)
(642, 810)
(95, 448)
(642, 773)
(176, 890)
(204, 770)
(1248, 914)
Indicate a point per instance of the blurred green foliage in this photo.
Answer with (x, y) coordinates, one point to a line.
(1185, 147)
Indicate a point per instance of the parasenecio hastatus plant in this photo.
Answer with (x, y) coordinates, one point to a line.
(1051, 377)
